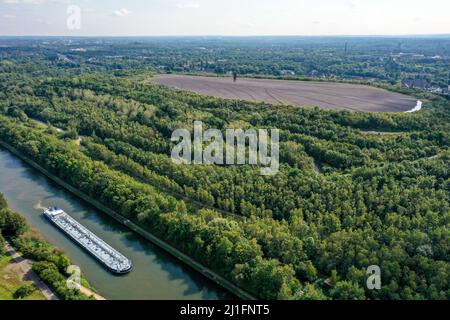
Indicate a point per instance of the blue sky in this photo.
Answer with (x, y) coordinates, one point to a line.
(227, 17)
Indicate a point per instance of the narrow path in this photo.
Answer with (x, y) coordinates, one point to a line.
(30, 274)
(41, 123)
(316, 167)
(78, 141)
(429, 158)
(381, 133)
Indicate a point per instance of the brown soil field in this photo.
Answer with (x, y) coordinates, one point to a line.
(325, 95)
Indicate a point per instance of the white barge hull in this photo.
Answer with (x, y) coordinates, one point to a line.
(103, 252)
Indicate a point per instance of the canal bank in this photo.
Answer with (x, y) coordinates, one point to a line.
(156, 274)
(132, 226)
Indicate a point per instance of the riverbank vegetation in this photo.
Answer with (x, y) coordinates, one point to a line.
(12, 281)
(309, 232)
(50, 264)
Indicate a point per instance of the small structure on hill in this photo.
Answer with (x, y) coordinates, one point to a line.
(416, 83)
(234, 76)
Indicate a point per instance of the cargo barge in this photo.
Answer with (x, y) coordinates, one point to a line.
(104, 253)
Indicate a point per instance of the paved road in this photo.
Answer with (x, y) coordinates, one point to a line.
(30, 274)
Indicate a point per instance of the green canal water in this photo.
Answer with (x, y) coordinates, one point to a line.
(156, 274)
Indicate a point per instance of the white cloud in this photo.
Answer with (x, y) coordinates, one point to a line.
(9, 16)
(352, 5)
(43, 22)
(124, 12)
(187, 5)
(36, 2)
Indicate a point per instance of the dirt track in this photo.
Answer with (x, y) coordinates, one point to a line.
(326, 95)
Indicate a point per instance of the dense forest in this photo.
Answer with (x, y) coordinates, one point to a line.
(354, 189)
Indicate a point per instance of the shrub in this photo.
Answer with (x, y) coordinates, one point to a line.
(11, 223)
(3, 203)
(2, 244)
(50, 274)
(24, 291)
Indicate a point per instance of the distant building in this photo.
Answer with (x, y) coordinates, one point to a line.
(288, 72)
(416, 83)
(435, 89)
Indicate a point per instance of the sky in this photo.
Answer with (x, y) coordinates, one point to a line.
(223, 17)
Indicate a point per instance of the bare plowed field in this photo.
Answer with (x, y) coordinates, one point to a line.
(326, 95)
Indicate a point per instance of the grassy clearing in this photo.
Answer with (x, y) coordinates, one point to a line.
(11, 279)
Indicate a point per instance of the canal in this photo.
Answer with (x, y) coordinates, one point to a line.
(156, 274)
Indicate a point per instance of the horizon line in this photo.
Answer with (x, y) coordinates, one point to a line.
(230, 36)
